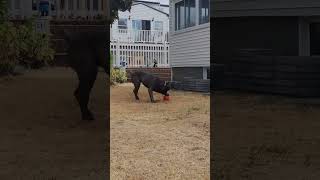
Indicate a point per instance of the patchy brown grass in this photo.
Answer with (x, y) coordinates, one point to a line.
(164, 140)
(42, 135)
(259, 136)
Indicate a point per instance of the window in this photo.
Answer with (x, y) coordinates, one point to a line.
(136, 24)
(78, 4)
(34, 5)
(17, 4)
(9, 4)
(158, 25)
(122, 23)
(102, 5)
(179, 15)
(62, 4)
(95, 5)
(146, 25)
(190, 13)
(53, 5)
(88, 5)
(70, 4)
(203, 11)
(185, 12)
(314, 39)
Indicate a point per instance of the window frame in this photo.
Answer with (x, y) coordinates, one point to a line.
(70, 5)
(17, 5)
(88, 5)
(207, 13)
(62, 4)
(126, 23)
(34, 5)
(157, 23)
(95, 5)
(187, 12)
(187, 20)
(177, 6)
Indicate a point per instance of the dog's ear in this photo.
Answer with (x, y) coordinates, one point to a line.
(167, 84)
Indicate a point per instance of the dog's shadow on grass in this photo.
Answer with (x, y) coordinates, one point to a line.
(147, 101)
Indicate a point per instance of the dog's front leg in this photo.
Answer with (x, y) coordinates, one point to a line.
(151, 95)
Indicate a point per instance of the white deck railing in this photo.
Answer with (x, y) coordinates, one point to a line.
(138, 36)
(42, 25)
(139, 55)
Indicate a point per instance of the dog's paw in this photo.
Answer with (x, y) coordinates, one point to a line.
(88, 117)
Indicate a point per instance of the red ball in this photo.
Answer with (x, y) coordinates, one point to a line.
(166, 98)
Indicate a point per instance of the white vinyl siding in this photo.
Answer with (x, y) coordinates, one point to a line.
(190, 48)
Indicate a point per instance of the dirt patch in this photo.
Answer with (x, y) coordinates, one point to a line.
(166, 140)
(42, 135)
(265, 137)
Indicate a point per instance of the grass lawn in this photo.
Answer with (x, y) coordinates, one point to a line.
(163, 140)
(41, 133)
(265, 137)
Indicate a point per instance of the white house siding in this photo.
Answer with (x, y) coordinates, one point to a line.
(142, 12)
(189, 47)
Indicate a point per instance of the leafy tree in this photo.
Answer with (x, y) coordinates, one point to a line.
(122, 5)
(3, 9)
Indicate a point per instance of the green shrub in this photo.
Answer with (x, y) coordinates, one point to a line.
(111, 59)
(9, 50)
(3, 10)
(23, 45)
(34, 47)
(118, 75)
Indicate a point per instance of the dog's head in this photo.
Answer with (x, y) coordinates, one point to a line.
(166, 87)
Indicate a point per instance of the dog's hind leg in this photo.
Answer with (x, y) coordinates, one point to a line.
(151, 94)
(136, 82)
(82, 93)
(136, 89)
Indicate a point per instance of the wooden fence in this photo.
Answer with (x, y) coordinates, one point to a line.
(287, 75)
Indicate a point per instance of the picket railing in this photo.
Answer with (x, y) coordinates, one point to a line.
(138, 36)
(139, 55)
(42, 25)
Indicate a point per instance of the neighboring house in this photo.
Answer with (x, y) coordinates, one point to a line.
(140, 37)
(289, 29)
(57, 9)
(190, 40)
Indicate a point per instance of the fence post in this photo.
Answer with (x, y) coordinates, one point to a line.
(117, 63)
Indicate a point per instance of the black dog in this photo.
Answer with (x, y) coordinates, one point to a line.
(87, 51)
(153, 83)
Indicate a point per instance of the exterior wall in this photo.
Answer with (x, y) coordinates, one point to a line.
(142, 12)
(182, 73)
(190, 47)
(155, 4)
(24, 11)
(236, 8)
(163, 73)
(281, 34)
